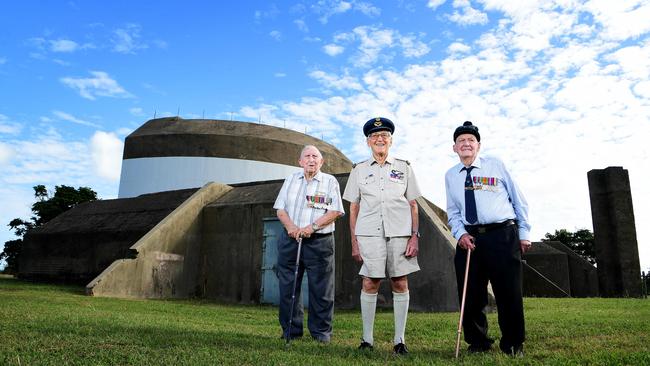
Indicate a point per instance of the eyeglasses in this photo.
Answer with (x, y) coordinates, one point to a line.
(376, 135)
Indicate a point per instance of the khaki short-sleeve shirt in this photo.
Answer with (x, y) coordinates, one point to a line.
(383, 194)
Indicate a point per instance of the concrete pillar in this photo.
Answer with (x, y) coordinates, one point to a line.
(617, 254)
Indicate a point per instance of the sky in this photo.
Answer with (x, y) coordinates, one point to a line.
(556, 87)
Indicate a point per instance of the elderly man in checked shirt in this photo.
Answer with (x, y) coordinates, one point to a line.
(308, 204)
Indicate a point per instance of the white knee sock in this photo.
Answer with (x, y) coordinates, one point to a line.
(400, 311)
(368, 308)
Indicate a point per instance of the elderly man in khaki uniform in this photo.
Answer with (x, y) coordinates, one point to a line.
(384, 228)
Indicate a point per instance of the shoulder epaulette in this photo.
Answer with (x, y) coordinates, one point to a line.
(404, 160)
(355, 164)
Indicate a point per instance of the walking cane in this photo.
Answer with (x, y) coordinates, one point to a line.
(293, 294)
(462, 304)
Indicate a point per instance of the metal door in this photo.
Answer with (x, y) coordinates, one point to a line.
(270, 292)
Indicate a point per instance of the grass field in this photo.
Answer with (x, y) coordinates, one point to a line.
(54, 325)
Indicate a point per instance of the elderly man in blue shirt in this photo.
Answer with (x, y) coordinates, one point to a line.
(488, 215)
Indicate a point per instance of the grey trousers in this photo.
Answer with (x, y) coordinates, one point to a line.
(317, 258)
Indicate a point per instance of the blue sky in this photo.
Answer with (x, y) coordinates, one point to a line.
(557, 87)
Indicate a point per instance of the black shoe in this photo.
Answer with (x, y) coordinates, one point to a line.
(479, 347)
(514, 351)
(365, 346)
(400, 349)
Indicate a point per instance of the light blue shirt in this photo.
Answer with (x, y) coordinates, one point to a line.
(497, 196)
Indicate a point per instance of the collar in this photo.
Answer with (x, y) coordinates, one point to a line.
(390, 160)
(318, 176)
(476, 164)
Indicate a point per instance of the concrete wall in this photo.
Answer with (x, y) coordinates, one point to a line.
(80, 243)
(617, 253)
(167, 261)
(552, 264)
(174, 153)
(582, 274)
(67, 257)
(232, 255)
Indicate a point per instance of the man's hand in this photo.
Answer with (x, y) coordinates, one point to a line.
(306, 231)
(356, 255)
(525, 245)
(294, 231)
(412, 247)
(466, 242)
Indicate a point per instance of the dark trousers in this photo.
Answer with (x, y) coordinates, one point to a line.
(497, 258)
(317, 258)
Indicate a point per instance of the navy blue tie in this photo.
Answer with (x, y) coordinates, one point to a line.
(470, 202)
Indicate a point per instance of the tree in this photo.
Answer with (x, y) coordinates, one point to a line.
(44, 209)
(581, 242)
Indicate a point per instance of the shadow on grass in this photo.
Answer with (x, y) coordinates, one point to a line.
(11, 283)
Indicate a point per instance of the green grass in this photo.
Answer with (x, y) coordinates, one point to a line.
(53, 325)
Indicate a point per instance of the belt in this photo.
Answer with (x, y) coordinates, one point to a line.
(482, 229)
(319, 235)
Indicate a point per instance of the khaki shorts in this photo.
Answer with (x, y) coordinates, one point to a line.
(379, 253)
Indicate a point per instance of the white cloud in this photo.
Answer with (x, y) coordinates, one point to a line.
(99, 85)
(642, 89)
(271, 13)
(336, 82)
(413, 47)
(6, 153)
(302, 26)
(458, 47)
(9, 127)
(634, 61)
(106, 151)
(367, 8)
(372, 41)
(328, 8)
(63, 45)
(127, 39)
(70, 118)
(280, 75)
(434, 4)
(136, 111)
(333, 49)
(467, 15)
(276, 35)
(124, 131)
(552, 93)
(621, 19)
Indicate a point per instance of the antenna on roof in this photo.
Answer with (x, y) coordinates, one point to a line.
(154, 114)
(203, 114)
(285, 123)
(178, 112)
(231, 116)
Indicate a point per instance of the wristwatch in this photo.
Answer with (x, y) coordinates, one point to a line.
(416, 233)
(314, 226)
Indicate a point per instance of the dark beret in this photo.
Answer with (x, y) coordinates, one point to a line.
(378, 124)
(467, 127)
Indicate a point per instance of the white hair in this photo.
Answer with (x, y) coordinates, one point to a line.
(307, 147)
